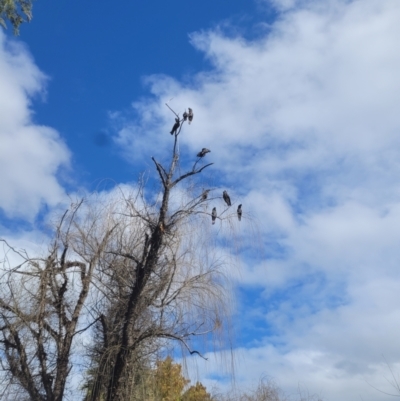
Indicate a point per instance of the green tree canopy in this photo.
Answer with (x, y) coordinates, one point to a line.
(169, 380)
(196, 393)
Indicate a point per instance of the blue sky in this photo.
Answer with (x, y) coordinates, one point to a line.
(298, 102)
(97, 58)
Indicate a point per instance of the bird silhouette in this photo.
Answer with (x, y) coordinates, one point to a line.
(227, 199)
(204, 195)
(185, 116)
(175, 127)
(190, 115)
(203, 152)
(214, 215)
(239, 212)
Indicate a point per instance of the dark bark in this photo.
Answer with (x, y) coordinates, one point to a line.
(153, 249)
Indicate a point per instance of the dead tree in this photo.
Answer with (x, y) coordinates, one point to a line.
(41, 304)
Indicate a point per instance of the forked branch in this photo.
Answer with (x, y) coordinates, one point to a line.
(182, 177)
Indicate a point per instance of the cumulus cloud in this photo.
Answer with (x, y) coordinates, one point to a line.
(30, 154)
(319, 91)
(304, 124)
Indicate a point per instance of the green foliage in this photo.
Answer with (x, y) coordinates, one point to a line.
(16, 12)
(169, 380)
(164, 382)
(196, 393)
(170, 384)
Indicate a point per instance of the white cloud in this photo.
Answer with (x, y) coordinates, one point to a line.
(318, 84)
(283, 5)
(304, 125)
(30, 154)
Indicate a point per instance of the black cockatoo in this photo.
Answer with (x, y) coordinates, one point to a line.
(175, 127)
(239, 212)
(227, 199)
(190, 115)
(203, 152)
(214, 215)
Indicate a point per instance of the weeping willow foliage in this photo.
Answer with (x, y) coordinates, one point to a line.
(15, 12)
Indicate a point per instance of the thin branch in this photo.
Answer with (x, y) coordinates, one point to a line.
(194, 166)
(181, 340)
(171, 109)
(87, 327)
(182, 177)
(125, 255)
(160, 172)
(163, 169)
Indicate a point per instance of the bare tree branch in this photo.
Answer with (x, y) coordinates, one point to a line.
(189, 174)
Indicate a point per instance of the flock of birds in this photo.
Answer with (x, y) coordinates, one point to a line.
(189, 116)
(227, 200)
(186, 116)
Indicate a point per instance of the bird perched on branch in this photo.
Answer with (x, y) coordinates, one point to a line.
(190, 115)
(203, 152)
(226, 197)
(214, 215)
(175, 127)
(204, 195)
(239, 212)
(185, 116)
